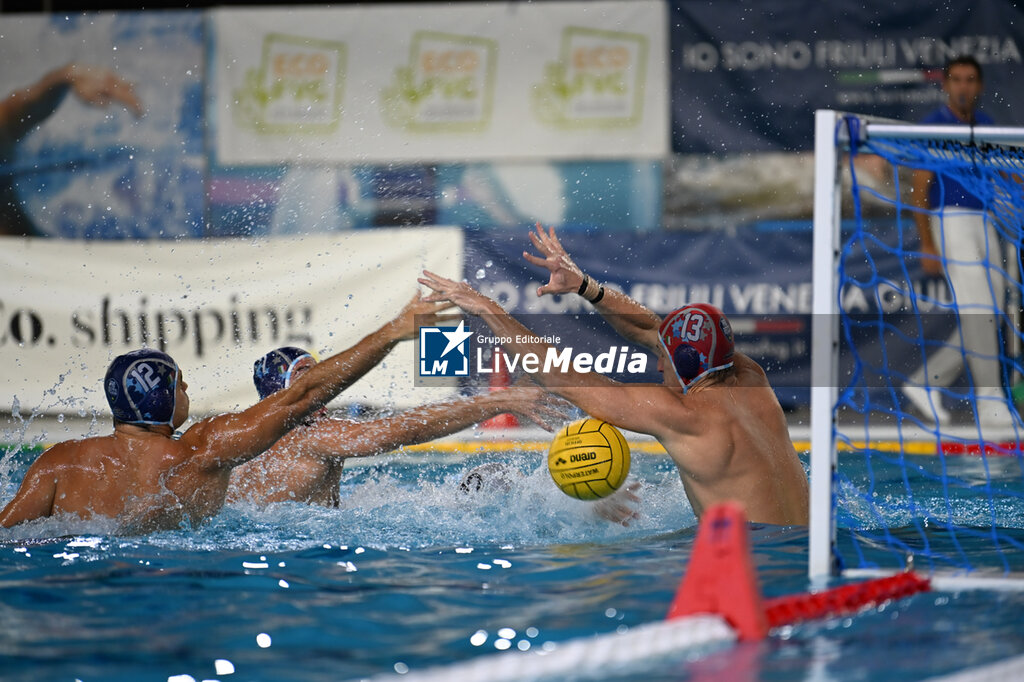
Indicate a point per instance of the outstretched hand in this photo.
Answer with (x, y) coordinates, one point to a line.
(566, 276)
(99, 86)
(456, 293)
(420, 310)
(621, 506)
(544, 409)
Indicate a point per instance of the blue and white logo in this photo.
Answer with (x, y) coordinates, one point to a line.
(444, 351)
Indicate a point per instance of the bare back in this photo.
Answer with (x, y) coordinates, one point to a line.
(292, 470)
(145, 480)
(731, 442)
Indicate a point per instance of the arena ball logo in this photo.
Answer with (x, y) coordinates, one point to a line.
(582, 456)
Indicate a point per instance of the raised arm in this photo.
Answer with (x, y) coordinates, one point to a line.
(229, 440)
(25, 108)
(628, 317)
(343, 438)
(646, 408)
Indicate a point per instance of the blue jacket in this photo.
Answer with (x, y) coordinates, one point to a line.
(945, 191)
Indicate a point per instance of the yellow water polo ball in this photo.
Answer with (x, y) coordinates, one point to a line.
(589, 459)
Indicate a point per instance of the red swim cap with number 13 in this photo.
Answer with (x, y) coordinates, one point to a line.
(698, 340)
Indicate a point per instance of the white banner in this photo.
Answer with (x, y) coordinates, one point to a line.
(67, 308)
(503, 80)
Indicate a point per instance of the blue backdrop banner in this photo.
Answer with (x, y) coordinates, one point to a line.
(761, 279)
(748, 76)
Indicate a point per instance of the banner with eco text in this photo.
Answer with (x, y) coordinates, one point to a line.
(481, 81)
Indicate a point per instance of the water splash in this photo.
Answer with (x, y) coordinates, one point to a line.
(406, 501)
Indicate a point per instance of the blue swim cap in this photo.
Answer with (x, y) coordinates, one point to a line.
(141, 387)
(273, 371)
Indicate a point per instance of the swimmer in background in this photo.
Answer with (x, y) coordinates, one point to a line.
(26, 108)
(715, 412)
(500, 478)
(148, 479)
(306, 464)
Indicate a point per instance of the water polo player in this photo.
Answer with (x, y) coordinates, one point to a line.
(715, 412)
(306, 465)
(148, 480)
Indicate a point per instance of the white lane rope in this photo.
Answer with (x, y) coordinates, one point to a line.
(1009, 670)
(583, 655)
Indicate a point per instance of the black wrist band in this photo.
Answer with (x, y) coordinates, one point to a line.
(591, 290)
(583, 285)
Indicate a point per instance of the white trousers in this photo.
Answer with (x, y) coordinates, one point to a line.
(974, 265)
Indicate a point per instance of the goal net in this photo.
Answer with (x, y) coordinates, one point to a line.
(916, 439)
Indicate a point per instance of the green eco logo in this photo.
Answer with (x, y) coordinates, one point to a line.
(296, 89)
(448, 85)
(598, 81)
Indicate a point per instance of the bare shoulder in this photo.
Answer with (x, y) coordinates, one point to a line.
(213, 427)
(199, 434)
(748, 370)
(212, 431)
(72, 451)
(70, 456)
(56, 455)
(228, 440)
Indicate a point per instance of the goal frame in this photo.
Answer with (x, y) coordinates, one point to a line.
(831, 142)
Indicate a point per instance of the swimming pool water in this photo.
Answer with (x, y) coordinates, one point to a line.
(408, 573)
